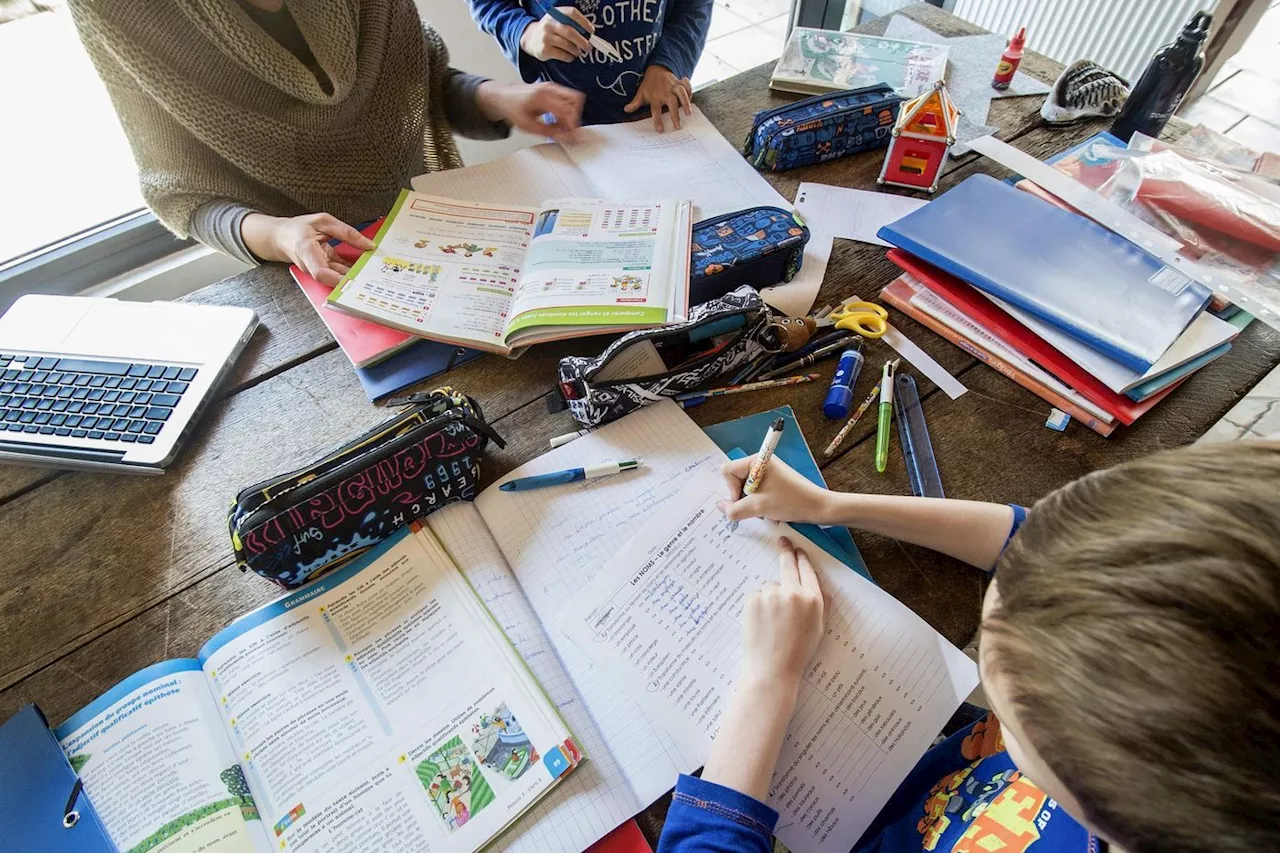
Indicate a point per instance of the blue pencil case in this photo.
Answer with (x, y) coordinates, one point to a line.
(759, 246)
(824, 127)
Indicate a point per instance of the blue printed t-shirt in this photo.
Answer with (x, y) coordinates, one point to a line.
(670, 33)
(966, 796)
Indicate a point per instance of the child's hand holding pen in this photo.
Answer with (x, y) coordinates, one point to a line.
(783, 495)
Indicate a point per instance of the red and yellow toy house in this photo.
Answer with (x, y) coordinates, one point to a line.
(922, 136)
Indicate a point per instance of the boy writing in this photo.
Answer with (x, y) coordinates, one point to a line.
(1130, 652)
(657, 44)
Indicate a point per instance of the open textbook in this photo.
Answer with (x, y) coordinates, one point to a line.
(620, 160)
(499, 277)
(529, 556)
(378, 709)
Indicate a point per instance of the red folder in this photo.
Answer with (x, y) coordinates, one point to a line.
(998, 322)
(364, 343)
(626, 838)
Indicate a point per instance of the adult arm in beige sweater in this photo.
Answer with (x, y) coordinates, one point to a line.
(266, 147)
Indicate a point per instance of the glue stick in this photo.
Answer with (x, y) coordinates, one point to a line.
(840, 395)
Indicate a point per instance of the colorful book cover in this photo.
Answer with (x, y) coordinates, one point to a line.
(817, 61)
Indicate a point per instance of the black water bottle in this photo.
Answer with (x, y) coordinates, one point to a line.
(1167, 79)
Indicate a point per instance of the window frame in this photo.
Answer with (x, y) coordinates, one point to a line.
(88, 258)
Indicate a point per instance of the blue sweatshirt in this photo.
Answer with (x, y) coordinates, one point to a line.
(965, 796)
(670, 33)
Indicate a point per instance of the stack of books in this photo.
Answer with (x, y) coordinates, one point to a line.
(1070, 311)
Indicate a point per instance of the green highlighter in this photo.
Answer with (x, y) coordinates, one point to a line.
(886, 415)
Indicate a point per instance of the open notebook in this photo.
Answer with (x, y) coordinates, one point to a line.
(379, 708)
(531, 554)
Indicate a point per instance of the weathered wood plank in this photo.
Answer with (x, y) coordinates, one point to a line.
(732, 105)
(991, 445)
(172, 605)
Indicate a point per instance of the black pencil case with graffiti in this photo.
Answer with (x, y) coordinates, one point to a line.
(294, 527)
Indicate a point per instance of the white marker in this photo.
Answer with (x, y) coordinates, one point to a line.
(561, 440)
(755, 476)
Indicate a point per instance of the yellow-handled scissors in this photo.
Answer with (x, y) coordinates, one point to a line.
(865, 318)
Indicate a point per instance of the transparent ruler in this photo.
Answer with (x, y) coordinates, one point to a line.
(913, 435)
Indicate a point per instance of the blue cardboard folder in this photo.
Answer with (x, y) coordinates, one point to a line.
(42, 807)
(733, 436)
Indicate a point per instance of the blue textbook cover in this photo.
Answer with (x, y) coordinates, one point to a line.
(1057, 265)
(733, 437)
(410, 366)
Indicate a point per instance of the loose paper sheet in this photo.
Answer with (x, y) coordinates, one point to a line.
(663, 617)
(529, 177)
(856, 214)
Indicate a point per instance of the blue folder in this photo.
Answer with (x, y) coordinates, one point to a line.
(733, 436)
(1060, 266)
(410, 366)
(39, 792)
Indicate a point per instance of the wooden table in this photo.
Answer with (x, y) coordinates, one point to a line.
(107, 574)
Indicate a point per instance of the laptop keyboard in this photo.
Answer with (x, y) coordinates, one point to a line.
(84, 398)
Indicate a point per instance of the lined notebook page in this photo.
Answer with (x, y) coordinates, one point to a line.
(555, 540)
(664, 618)
(596, 797)
(529, 177)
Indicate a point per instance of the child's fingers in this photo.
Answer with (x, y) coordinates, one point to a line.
(576, 14)
(734, 472)
(744, 508)
(788, 565)
(808, 576)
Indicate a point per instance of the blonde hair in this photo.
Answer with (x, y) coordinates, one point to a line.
(1138, 628)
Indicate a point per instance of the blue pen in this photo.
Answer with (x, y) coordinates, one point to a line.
(570, 475)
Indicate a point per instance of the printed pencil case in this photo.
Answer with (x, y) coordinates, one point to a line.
(824, 127)
(759, 246)
(292, 528)
(720, 338)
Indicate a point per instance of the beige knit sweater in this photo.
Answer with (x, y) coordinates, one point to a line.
(220, 116)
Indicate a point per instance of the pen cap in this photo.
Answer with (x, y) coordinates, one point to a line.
(840, 395)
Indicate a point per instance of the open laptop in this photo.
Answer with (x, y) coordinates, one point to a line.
(98, 384)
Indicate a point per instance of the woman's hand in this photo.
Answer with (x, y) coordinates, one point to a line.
(302, 240)
(782, 623)
(523, 106)
(783, 496)
(549, 39)
(660, 87)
